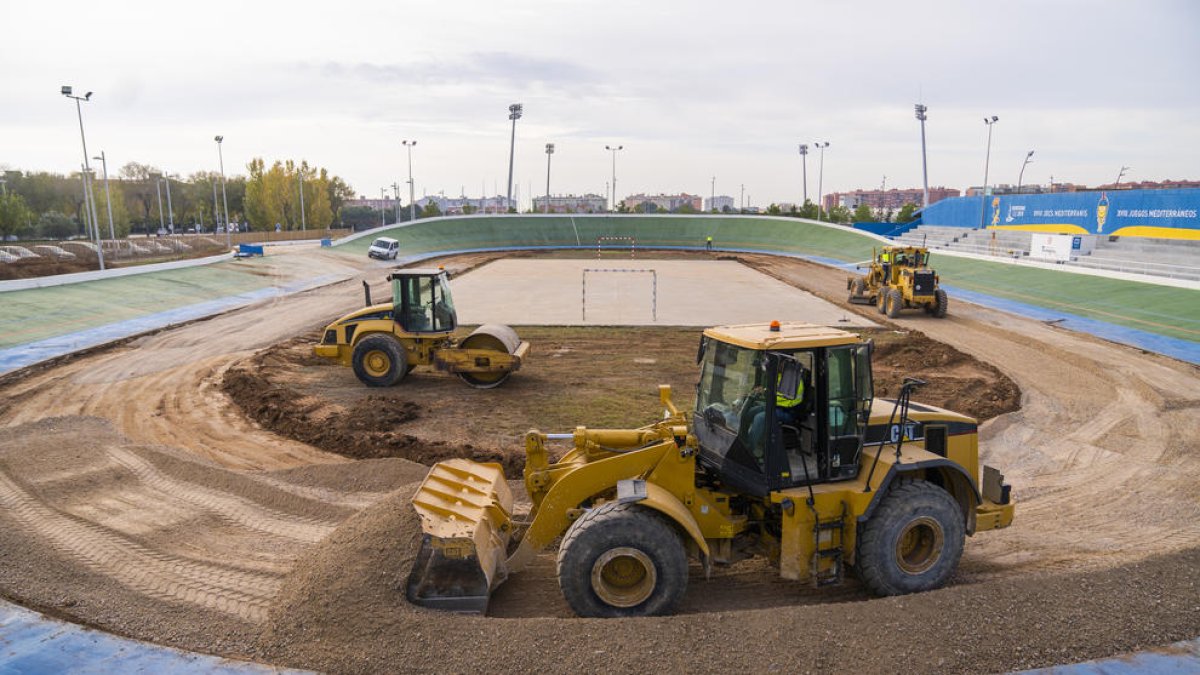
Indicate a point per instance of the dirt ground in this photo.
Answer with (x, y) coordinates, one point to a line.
(139, 498)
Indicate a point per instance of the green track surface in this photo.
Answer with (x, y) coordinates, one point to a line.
(38, 313)
(1164, 310)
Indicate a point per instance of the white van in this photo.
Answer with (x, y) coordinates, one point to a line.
(384, 248)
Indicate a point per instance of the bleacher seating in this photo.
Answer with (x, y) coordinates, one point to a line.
(1174, 258)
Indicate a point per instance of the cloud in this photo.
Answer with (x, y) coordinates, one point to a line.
(503, 69)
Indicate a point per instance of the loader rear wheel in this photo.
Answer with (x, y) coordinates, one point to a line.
(913, 541)
(379, 361)
(622, 560)
(939, 309)
(894, 302)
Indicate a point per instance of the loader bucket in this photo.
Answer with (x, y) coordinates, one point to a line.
(465, 509)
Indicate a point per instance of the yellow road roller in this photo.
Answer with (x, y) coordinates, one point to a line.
(382, 342)
(787, 455)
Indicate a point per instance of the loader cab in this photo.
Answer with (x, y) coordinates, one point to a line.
(750, 436)
(422, 301)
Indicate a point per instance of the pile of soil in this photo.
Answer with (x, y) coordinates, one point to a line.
(369, 428)
(954, 380)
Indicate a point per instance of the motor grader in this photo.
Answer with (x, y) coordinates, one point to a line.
(382, 342)
(844, 481)
(898, 277)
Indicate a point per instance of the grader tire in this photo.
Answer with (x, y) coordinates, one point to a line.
(622, 560)
(894, 302)
(881, 300)
(379, 361)
(940, 307)
(857, 288)
(913, 541)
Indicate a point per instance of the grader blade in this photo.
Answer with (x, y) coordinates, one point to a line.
(465, 509)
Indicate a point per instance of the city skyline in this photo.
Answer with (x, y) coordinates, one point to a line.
(731, 98)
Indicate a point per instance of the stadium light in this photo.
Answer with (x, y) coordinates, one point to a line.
(804, 168)
(112, 232)
(821, 176)
(224, 198)
(989, 121)
(514, 113)
(549, 151)
(921, 109)
(1121, 175)
(1021, 176)
(412, 204)
(614, 173)
(89, 199)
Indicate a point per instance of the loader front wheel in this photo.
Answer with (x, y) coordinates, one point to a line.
(913, 541)
(939, 309)
(895, 300)
(379, 361)
(622, 560)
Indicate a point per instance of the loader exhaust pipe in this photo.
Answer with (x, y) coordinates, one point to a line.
(367, 292)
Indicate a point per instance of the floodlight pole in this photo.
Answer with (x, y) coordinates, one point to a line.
(804, 169)
(90, 202)
(549, 152)
(162, 224)
(987, 161)
(224, 198)
(614, 173)
(1021, 176)
(170, 209)
(514, 113)
(921, 109)
(1121, 175)
(112, 232)
(303, 222)
(412, 205)
(821, 177)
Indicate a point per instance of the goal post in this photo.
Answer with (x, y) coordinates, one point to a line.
(604, 242)
(653, 287)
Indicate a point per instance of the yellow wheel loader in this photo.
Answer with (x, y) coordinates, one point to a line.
(838, 481)
(382, 342)
(899, 277)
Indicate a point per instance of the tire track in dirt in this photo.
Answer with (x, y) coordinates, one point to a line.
(246, 595)
(238, 510)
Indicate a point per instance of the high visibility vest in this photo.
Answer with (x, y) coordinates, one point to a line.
(782, 401)
(884, 257)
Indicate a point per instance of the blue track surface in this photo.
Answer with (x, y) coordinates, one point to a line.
(1181, 658)
(31, 644)
(34, 352)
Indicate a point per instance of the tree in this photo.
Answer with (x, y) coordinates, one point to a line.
(905, 214)
(809, 210)
(431, 210)
(686, 207)
(839, 214)
(774, 210)
(15, 216)
(863, 214)
(55, 225)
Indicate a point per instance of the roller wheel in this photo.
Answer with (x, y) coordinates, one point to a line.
(622, 560)
(894, 302)
(484, 380)
(379, 361)
(939, 309)
(913, 541)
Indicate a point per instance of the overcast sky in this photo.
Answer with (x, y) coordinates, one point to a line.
(691, 89)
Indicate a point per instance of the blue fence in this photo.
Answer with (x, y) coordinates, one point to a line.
(1166, 214)
(887, 229)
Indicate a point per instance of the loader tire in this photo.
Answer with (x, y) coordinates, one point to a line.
(857, 288)
(939, 309)
(379, 361)
(913, 541)
(895, 300)
(622, 560)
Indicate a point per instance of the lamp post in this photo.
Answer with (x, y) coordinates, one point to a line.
(162, 224)
(412, 205)
(68, 92)
(742, 200)
(804, 168)
(170, 209)
(989, 121)
(712, 199)
(549, 151)
(303, 221)
(1121, 175)
(112, 232)
(614, 172)
(821, 177)
(1021, 176)
(224, 198)
(396, 194)
(382, 206)
(514, 113)
(920, 108)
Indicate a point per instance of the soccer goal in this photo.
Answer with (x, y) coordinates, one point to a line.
(605, 271)
(617, 243)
